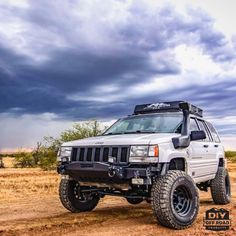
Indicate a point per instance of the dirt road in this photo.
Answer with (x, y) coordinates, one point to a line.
(29, 205)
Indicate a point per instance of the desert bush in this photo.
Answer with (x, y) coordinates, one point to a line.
(23, 160)
(48, 159)
(231, 155)
(7, 154)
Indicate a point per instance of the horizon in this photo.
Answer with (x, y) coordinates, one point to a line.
(228, 142)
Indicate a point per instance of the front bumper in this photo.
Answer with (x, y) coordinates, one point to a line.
(106, 172)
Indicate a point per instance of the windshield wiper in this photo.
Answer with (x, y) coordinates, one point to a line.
(133, 132)
(113, 133)
(140, 131)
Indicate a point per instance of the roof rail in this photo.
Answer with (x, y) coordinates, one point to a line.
(167, 107)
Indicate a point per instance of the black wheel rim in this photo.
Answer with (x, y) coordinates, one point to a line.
(80, 196)
(227, 185)
(182, 200)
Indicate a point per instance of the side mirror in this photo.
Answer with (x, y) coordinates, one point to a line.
(197, 135)
(181, 142)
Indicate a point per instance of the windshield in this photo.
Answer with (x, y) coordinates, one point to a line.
(154, 123)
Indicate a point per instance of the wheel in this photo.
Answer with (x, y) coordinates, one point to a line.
(220, 187)
(134, 201)
(175, 200)
(72, 199)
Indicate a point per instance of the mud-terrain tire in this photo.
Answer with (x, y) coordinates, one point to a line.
(175, 200)
(220, 187)
(134, 201)
(71, 201)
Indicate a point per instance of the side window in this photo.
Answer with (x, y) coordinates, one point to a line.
(193, 125)
(213, 132)
(202, 127)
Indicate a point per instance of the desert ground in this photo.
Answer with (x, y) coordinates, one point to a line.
(29, 205)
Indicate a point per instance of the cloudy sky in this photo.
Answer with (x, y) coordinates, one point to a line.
(66, 61)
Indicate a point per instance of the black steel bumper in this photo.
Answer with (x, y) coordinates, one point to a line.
(105, 172)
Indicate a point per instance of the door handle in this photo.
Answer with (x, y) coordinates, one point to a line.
(205, 146)
(216, 145)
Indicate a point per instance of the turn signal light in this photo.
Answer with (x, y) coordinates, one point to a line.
(153, 151)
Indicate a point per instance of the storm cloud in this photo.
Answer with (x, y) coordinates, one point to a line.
(97, 59)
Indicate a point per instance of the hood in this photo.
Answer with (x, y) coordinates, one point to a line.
(123, 139)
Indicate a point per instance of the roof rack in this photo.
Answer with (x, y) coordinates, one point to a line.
(167, 107)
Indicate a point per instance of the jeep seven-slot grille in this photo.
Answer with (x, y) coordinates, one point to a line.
(100, 154)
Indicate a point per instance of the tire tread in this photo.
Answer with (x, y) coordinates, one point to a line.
(71, 205)
(160, 199)
(217, 185)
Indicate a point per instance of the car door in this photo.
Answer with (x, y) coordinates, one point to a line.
(208, 164)
(197, 152)
(216, 149)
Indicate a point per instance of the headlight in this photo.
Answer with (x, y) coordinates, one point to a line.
(144, 153)
(139, 151)
(64, 154)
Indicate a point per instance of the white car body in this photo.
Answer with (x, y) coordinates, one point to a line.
(161, 153)
(201, 157)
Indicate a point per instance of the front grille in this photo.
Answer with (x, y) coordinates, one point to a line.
(124, 153)
(74, 153)
(81, 154)
(100, 154)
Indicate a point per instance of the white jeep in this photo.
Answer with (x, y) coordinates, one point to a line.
(160, 154)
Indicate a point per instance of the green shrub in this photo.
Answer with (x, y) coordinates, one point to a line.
(47, 159)
(230, 153)
(23, 160)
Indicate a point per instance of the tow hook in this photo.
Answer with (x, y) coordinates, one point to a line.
(111, 172)
(115, 170)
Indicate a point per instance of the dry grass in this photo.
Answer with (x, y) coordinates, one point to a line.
(30, 206)
(8, 162)
(17, 183)
(21, 183)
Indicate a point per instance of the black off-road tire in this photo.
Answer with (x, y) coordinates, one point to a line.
(71, 202)
(169, 193)
(134, 201)
(220, 187)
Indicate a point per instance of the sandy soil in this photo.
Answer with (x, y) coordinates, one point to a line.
(29, 205)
